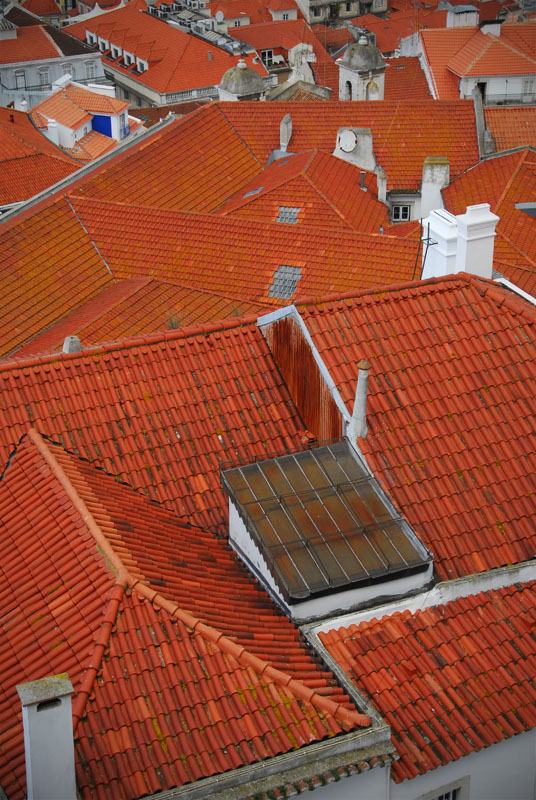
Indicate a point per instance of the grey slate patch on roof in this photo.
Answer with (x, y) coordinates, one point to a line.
(288, 214)
(285, 282)
(254, 191)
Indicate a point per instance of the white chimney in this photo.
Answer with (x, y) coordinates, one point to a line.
(72, 344)
(52, 132)
(285, 132)
(440, 240)
(357, 427)
(48, 738)
(476, 235)
(435, 176)
(492, 26)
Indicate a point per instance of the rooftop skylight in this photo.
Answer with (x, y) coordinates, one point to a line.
(285, 281)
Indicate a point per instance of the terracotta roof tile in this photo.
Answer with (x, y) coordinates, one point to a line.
(404, 78)
(282, 34)
(25, 176)
(50, 268)
(324, 188)
(104, 546)
(404, 132)
(42, 7)
(134, 307)
(400, 24)
(176, 59)
(214, 161)
(439, 46)
(240, 257)
(128, 408)
(479, 684)
(442, 410)
(256, 10)
(91, 146)
(512, 126)
(486, 54)
(62, 109)
(32, 43)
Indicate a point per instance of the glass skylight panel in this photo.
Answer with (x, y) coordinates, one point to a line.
(285, 281)
(322, 523)
(288, 214)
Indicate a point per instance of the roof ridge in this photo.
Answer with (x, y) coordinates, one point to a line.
(129, 343)
(326, 199)
(124, 578)
(51, 40)
(247, 659)
(102, 544)
(508, 184)
(507, 44)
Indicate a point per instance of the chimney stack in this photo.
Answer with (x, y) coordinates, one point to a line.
(285, 132)
(362, 185)
(48, 738)
(357, 428)
(71, 344)
(462, 243)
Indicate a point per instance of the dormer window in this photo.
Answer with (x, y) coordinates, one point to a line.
(128, 58)
(91, 38)
(103, 44)
(141, 65)
(116, 51)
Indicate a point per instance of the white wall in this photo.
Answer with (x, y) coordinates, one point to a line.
(370, 785)
(504, 771)
(33, 94)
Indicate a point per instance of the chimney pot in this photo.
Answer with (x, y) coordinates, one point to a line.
(363, 187)
(358, 424)
(48, 738)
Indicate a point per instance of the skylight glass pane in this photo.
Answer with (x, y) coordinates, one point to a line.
(285, 282)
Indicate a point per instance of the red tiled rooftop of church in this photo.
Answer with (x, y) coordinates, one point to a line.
(438, 446)
(461, 659)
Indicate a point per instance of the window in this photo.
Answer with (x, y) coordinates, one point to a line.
(116, 51)
(317, 11)
(401, 214)
(128, 58)
(288, 214)
(90, 70)
(267, 57)
(20, 79)
(528, 88)
(44, 77)
(91, 38)
(285, 282)
(457, 790)
(348, 6)
(237, 23)
(285, 15)
(66, 69)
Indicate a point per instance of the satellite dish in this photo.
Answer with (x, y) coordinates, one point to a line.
(347, 141)
(219, 16)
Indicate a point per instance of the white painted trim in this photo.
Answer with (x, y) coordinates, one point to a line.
(509, 285)
(441, 593)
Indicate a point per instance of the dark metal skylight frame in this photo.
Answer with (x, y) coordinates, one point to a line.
(322, 523)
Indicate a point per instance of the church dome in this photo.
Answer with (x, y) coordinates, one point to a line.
(242, 80)
(362, 56)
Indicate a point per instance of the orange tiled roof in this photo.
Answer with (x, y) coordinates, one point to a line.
(439, 46)
(50, 267)
(512, 126)
(404, 132)
(196, 662)
(256, 10)
(486, 54)
(445, 434)
(177, 61)
(503, 181)
(215, 162)
(404, 77)
(240, 257)
(134, 307)
(283, 34)
(332, 38)
(31, 44)
(400, 24)
(62, 109)
(93, 102)
(324, 188)
(42, 8)
(91, 146)
(470, 660)
(137, 421)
